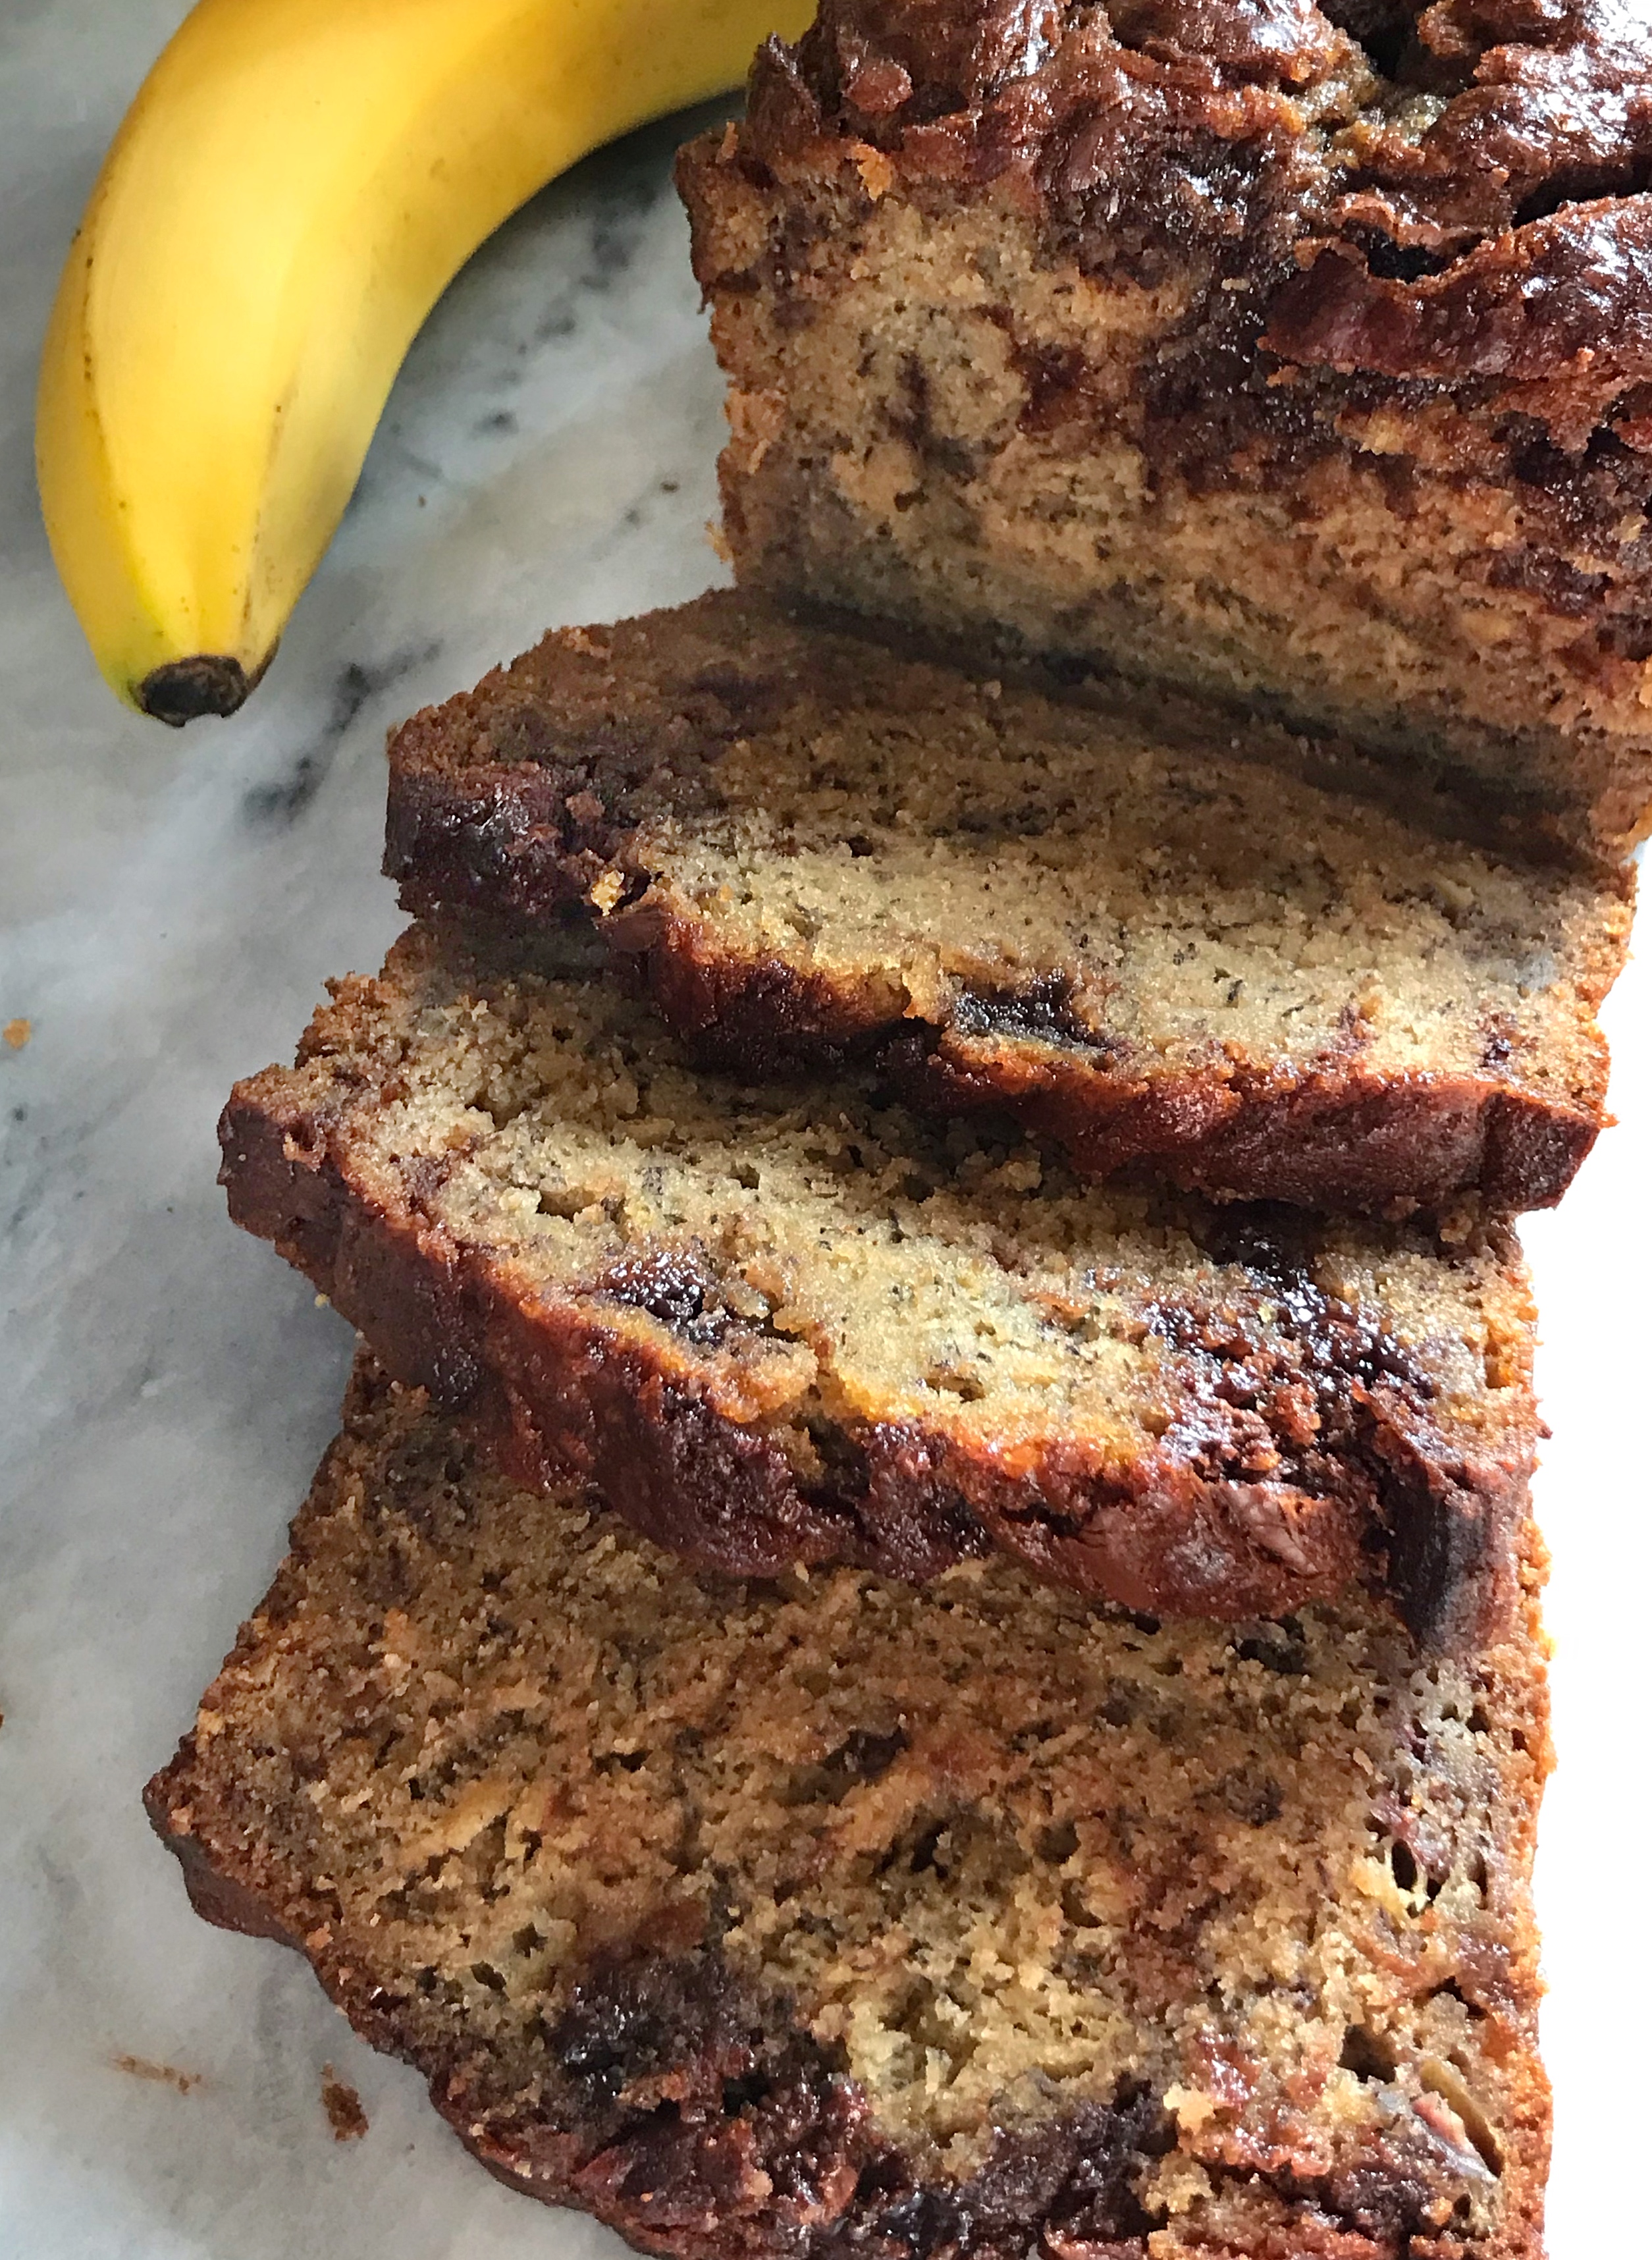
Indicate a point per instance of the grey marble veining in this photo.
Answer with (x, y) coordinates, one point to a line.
(169, 907)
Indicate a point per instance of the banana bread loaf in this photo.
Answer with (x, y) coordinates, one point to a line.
(825, 1916)
(778, 1327)
(1143, 943)
(1301, 353)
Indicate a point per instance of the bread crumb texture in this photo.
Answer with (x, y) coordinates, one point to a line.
(1139, 923)
(343, 2107)
(824, 1914)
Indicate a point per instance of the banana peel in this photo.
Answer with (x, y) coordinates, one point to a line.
(292, 189)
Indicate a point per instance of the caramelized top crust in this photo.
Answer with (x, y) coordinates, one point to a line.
(1449, 192)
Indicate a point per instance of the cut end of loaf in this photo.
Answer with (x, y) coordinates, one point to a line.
(1226, 351)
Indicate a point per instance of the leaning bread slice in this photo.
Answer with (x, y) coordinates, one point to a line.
(778, 1325)
(827, 1917)
(1143, 929)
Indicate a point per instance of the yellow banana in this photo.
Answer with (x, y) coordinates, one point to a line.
(295, 185)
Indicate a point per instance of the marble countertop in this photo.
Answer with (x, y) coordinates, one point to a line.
(169, 907)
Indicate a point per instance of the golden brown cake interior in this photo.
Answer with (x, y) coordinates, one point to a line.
(779, 1325)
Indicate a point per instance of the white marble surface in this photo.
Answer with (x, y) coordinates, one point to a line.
(169, 905)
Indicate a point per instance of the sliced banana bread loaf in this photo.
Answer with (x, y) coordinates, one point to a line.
(1301, 353)
(825, 1916)
(779, 1326)
(1144, 943)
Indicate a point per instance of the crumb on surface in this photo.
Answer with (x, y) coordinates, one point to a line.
(168, 2075)
(343, 2107)
(16, 1033)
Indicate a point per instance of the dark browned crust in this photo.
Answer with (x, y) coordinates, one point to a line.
(1569, 294)
(1340, 1137)
(1521, 200)
(1337, 1136)
(1480, 271)
(504, 806)
(681, 2099)
(1383, 1494)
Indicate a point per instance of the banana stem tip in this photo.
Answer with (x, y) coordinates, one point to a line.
(185, 688)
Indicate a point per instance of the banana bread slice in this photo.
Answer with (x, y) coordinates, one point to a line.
(777, 1326)
(1142, 942)
(1303, 353)
(826, 1916)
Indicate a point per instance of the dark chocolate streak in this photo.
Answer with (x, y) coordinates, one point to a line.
(1290, 1472)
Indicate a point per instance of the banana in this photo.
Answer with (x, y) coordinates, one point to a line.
(295, 185)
